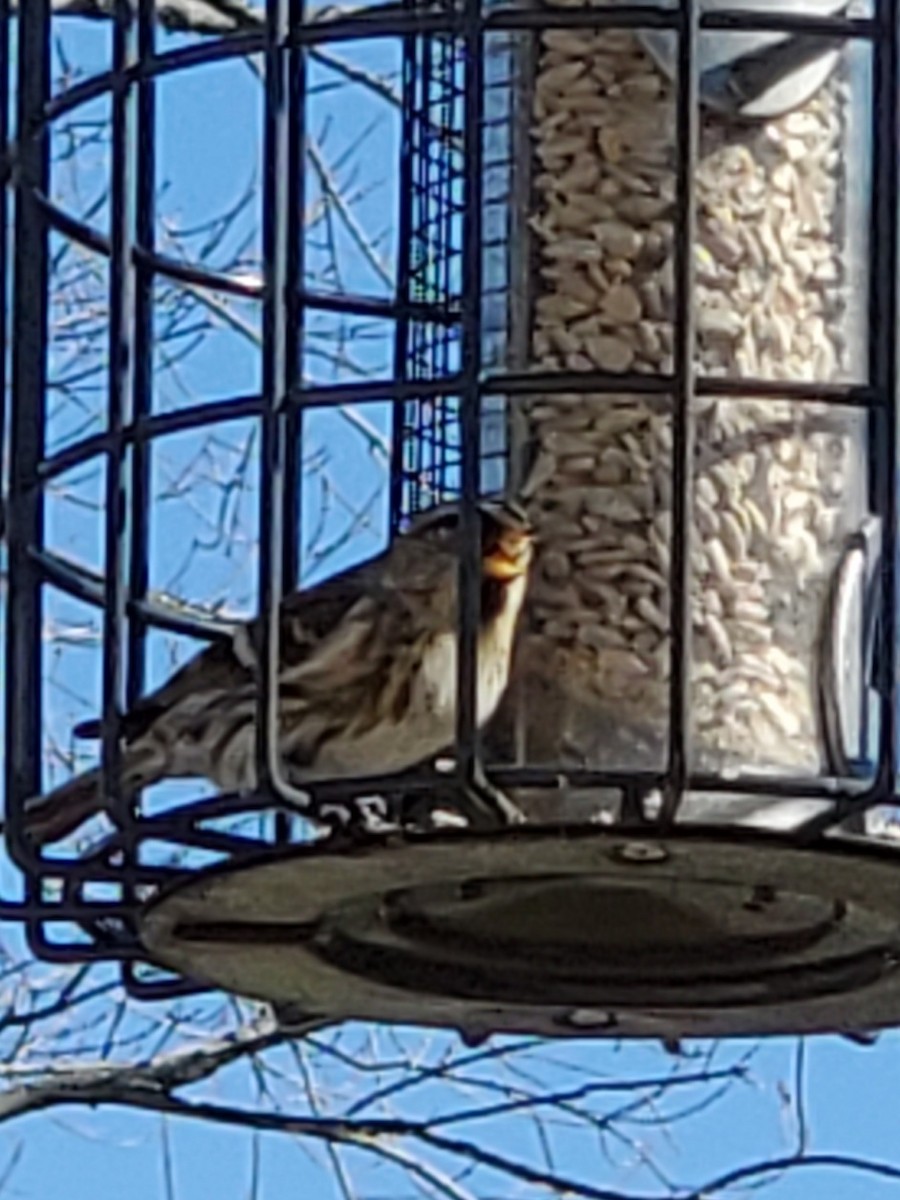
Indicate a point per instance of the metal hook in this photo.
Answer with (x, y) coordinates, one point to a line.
(846, 651)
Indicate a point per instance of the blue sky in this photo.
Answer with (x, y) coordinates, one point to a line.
(852, 1098)
(208, 158)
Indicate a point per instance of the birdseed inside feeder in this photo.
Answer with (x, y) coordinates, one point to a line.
(779, 485)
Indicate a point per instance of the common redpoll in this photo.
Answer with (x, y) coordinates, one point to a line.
(367, 686)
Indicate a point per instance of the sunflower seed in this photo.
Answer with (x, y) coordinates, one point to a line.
(771, 292)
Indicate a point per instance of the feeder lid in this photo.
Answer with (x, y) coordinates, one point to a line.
(553, 932)
(752, 74)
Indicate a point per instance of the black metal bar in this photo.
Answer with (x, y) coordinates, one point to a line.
(182, 59)
(668, 18)
(238, 407)
(119, 410)
(276, 374)
(295, 301)
(294, 340)
(86, 586)
(884, 250)
(400, 309)
(64, 952)
(142, 379)
(396, 21)
(555, 777)
(144, 234)
(535, 383)
(190, 273)
(94, 239)
(411, 450)
(35, 910)
(683, 399)
(86, 910)
(392, 19)
(404, 299)
(5, 172)
(599, 382)
(27, 428)
(467, 749)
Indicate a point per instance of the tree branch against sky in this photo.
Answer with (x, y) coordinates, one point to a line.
(195, 16)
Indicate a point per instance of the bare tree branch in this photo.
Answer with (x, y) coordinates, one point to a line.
(195, 16)
(151, 1089)
(218, 18)
(772, 1166)
(97, 1083)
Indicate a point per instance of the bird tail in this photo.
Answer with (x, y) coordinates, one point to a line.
(54, 815)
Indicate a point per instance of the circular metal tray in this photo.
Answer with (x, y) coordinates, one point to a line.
(578, 932)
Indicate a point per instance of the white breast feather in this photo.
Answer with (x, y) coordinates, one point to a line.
(430, 724)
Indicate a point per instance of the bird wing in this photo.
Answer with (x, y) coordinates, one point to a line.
(307, 618)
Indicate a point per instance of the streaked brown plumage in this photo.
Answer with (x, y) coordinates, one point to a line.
(368, 682)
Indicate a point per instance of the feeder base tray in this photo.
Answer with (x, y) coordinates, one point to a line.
(555, 932)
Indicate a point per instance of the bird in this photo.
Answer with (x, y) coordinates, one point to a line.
(367, 678)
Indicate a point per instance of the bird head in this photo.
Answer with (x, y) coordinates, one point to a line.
(507, 541)
(507, 536)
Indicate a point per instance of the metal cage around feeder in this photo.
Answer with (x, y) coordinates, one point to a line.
(576, 188)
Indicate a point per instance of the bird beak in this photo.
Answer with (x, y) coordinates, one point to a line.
(508, 557)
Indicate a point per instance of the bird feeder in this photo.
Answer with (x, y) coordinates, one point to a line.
(646, 286)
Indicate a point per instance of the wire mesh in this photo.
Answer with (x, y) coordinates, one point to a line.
(429, 345)
(454, 386)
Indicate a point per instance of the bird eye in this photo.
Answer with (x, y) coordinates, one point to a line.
(512, 509)
(444, 520)
(507, 513)
(439, 521)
